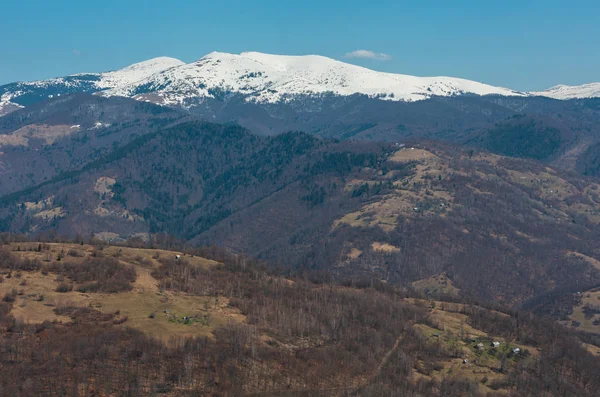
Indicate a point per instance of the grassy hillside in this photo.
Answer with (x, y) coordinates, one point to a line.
(144, 305)
(194, 326)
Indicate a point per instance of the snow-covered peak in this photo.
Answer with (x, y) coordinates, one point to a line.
(137, 71)
(260, 78)
(591, 90)
(15, 95)
(153, 65)
(273, 78)
(292, 61)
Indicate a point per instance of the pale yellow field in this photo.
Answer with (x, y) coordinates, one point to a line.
(145, 298)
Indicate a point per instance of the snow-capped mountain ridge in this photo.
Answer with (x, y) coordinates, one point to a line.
(137, 71)
(273, 78)
(260, 78)
(561, 91)
(21, 94)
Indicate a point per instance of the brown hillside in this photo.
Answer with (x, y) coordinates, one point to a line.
(233, 330)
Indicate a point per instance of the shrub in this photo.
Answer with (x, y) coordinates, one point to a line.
(76, 253)
(64, 287)
(162, 388)
(89, 287)
(97, 253)
(113, 286)
(10, 296)
(121, 320)
(13, 262)
(100, 274)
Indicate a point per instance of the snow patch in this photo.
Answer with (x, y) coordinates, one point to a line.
(136, 72)
(98, 125)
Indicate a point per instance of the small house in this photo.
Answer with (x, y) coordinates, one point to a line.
(465, 361)
(516, 350)
(495, 344)
(479, 346)
(177, 256)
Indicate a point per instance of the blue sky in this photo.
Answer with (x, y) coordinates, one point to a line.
(522, 44)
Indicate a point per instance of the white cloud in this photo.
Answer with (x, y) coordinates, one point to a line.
(366, 54)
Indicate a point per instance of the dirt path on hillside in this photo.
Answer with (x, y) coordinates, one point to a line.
(337, 391)
(144, 282)
(384, 361)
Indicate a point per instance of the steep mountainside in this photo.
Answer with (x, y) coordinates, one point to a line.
(492, 123)
(64, 134)
(497, 228)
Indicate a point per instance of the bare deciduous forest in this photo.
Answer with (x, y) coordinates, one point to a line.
(296, 337)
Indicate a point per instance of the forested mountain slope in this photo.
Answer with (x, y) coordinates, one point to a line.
(500, 229)
(561, 133)
(65, 134)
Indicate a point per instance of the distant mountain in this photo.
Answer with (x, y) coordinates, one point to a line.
(275, 78)
(261, 79)
(20, 94)
(555, 132)
(591, 90)
(273, 94)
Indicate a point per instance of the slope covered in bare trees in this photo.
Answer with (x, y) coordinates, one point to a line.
(257, 334)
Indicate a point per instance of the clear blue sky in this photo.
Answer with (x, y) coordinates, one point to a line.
(525, 44)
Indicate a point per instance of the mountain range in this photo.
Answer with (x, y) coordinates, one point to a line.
(259, 78)
(317, 166)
